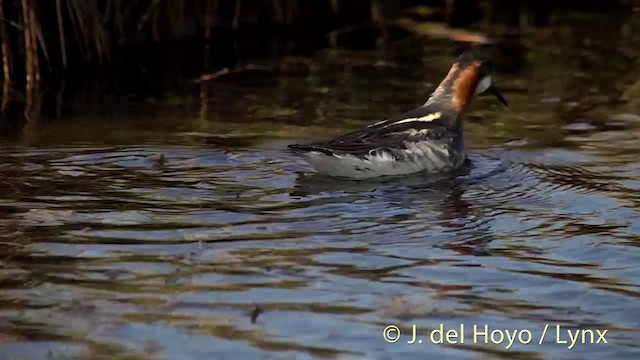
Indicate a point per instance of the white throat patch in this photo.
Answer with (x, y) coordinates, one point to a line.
(483, 85)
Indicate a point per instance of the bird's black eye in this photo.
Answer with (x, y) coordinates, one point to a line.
(485, 69)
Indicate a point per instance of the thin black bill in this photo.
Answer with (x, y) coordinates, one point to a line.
(497, 94)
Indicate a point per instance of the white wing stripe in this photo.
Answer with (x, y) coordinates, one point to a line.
(427, 118)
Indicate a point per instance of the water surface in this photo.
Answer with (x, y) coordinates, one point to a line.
(186, 231)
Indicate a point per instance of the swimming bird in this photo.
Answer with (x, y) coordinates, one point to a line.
(426, 139)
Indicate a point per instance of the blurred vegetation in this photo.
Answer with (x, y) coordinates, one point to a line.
(48, 42)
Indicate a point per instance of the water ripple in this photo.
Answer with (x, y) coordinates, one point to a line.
(148, 250)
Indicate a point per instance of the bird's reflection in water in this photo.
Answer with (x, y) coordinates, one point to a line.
(442, 195)
(310, 184)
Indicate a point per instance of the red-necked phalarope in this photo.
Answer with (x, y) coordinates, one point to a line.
(426, 139)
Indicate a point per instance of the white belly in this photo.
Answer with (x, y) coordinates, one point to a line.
(417, 157)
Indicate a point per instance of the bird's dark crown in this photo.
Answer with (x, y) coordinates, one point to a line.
(471, 57)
